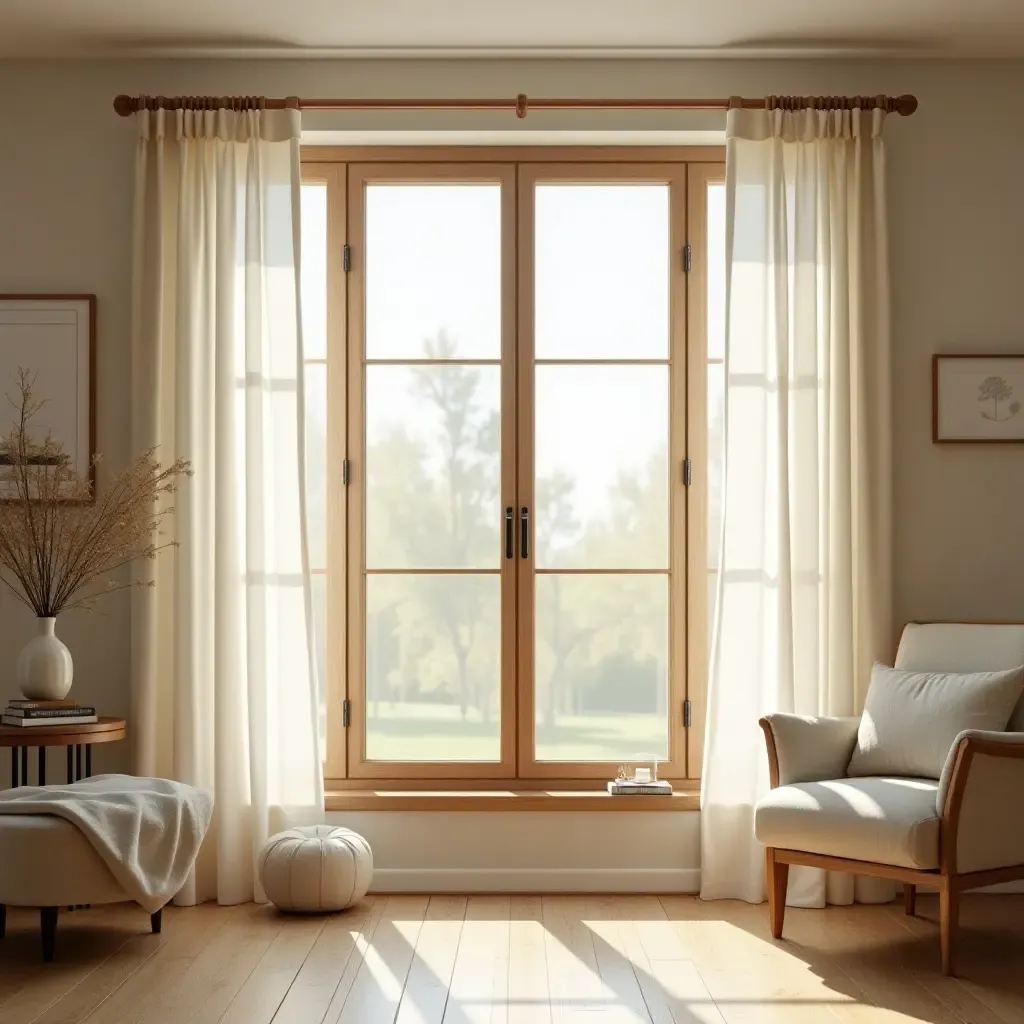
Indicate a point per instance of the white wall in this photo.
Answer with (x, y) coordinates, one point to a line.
(956, 174)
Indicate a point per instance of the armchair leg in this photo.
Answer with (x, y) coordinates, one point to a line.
(156, 921)
(949, 913)
(778, 880)
(910, 898)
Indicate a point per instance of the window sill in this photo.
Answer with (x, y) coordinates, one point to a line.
(683, 799)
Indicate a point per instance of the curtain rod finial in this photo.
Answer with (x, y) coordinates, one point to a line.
(906, 105)
(124, 105)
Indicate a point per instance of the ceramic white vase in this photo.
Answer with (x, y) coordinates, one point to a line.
(45, 669)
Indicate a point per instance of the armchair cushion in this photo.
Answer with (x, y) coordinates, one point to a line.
(910, 719)
(884, 820)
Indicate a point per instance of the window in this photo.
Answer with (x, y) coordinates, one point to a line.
(508, 367)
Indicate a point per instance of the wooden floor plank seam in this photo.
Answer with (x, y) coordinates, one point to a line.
(458, 947)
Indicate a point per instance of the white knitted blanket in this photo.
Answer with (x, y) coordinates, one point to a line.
(148, 831)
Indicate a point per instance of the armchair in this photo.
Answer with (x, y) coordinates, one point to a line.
(959, 832)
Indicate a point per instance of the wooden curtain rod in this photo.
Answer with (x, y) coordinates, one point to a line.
(126, 105)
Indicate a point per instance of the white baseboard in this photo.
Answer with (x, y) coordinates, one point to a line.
(470, 880)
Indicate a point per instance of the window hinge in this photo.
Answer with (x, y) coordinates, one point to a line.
(687, 472)
(346, 471)
(346, 713)
(687, 714)
(346, 257)
(687, 257)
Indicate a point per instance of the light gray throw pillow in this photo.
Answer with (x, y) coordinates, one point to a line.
(910, 719)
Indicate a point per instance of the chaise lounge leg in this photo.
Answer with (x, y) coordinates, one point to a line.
(156, 921)
(778, 880)
(949, 913)
(910, 898)
(48, 926)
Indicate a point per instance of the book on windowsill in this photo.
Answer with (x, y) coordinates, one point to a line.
(42, 705)
(25, 723)
(624, 787)
(70, 712)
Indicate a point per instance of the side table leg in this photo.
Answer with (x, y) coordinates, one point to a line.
(41, 766)
(88, 760)
(71, 767)
(24, 766)
(78, 761)
(14, 767)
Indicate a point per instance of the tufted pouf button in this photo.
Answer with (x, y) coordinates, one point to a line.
(316, 868)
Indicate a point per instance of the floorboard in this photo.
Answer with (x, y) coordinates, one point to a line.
(517, 959)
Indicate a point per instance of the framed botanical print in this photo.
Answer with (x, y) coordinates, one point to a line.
(53, 338)
(977, 398)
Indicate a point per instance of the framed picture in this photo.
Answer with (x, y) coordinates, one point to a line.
(53, 337)
(977, 398)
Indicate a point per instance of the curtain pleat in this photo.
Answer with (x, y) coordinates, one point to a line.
(224, 687)
(804, 602)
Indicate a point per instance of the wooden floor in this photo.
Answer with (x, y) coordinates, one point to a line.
(525, 959)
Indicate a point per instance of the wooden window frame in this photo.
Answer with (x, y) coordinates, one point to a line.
(699, 176)
(687, 170)
(617, 172)
(359, 175)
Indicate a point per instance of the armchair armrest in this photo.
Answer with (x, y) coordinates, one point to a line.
(802, 748)
(979, 801)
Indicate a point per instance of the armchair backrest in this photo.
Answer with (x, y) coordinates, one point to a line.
(964, 647)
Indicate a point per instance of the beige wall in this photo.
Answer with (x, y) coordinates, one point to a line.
(956, 173)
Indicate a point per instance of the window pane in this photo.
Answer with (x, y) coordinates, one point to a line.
(433, 668)
(602, 467)
(716, 271)
(601, 667)
(316, 463)
(716, 459)
(432, 462)
(314, 269)
(602, 271)
(433, 271)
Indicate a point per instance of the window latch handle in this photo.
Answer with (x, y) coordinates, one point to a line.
(508, 531)
(524, 535)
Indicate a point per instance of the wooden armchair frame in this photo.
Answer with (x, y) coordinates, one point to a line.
(947, 879)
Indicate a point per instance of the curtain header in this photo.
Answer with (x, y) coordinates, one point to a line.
(804, 125)
(222, 123)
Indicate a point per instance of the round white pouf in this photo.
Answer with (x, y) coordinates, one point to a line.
(316, 868)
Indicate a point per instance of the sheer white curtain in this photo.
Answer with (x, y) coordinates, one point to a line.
(224, 693)
(804, 603)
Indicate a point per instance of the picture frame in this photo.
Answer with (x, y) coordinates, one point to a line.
(54, 337)
(977, 399)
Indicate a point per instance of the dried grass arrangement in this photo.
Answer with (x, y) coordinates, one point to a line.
(59, 539)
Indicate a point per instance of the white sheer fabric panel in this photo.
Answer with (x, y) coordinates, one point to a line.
(224, 689)
(804, 601)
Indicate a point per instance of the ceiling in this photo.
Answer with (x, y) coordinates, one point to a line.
(938, 28)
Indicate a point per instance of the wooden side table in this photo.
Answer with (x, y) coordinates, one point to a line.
(73, 737)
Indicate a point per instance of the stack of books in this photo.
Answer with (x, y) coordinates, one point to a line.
(653, 787)
(26, 713)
